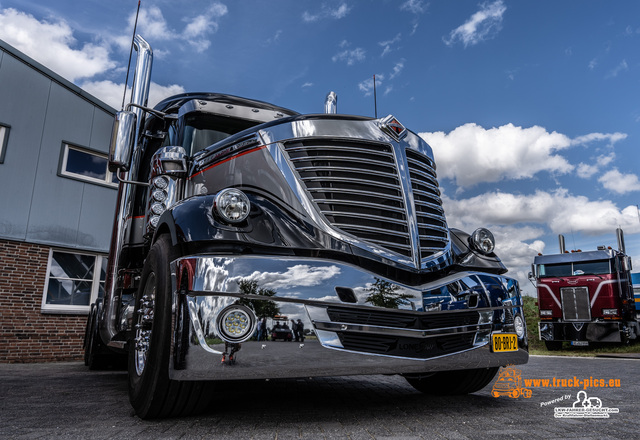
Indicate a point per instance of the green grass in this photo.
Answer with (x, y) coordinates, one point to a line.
(536, 346)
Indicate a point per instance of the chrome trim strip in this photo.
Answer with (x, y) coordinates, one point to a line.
(409, 333)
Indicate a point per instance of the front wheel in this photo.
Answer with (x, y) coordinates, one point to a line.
(151, 393)
(449, 383)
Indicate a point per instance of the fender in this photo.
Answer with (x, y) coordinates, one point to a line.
(193, 221)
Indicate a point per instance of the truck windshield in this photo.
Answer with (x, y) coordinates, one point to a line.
(599, 267)
(202, 130)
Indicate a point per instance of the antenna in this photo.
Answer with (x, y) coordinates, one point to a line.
(126, 81)
(375, 98)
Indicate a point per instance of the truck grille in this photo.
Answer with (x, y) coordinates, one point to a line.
(357, 187)
(575, 303)
(432, 226)
(386, 318)
(407, 347)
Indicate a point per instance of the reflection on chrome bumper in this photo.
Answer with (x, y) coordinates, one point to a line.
(427, 330)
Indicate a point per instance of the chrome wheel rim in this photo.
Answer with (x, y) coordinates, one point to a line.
(144, 323)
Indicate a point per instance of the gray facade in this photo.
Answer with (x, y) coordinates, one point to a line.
(42, 114)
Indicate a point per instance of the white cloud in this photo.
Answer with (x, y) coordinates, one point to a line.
(519, 222)
(366, 86)
(326, 11)
(558, 210)
(350, 56)
(471, 154)
(397, 69)
(622, 67)
(414, 6)
(586, 171)
(620, 183)
(27, 34)
(111, 93)
(388, 45)
(153, 25)
(482, 25)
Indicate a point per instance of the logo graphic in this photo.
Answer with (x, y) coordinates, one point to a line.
(391, 126)
(509, 383)
(584, 407)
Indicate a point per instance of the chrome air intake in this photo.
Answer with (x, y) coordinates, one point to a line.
(357, 186)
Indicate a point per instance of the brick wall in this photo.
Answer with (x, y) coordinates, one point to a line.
(26, 334)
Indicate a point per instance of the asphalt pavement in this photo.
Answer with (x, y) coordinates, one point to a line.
(67, 401)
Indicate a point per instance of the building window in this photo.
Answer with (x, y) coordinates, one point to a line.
(90, 166)
(4, 138)
(74, 281)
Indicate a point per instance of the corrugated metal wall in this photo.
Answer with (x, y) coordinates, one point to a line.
(37, 204)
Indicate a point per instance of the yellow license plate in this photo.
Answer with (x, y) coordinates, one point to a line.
(504, 342)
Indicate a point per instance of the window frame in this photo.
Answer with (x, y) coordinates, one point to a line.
(4, 139)
(64, 156)
(95, 285)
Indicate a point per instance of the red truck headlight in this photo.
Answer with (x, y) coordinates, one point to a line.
(609, 312)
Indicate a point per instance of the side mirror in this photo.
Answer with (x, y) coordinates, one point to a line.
(123, 138)
(626, 264)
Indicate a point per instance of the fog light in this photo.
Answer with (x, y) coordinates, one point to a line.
(232, 205)
(518, 324)
(545, 312)
(236, 323)
(482, 240)
(610, 312)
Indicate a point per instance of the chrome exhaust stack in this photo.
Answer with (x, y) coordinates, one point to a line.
(620, 236)
(125, 157)
(561, 243)
(331, 103)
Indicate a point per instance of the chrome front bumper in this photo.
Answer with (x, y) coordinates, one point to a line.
(344, 333)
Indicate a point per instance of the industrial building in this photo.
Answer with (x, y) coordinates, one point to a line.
(58, 200)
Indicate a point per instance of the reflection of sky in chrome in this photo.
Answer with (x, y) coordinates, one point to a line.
(316, 280)
(299, 275)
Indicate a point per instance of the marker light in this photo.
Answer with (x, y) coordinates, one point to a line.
(518, 324)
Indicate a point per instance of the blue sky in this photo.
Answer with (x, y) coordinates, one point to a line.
(532, 107)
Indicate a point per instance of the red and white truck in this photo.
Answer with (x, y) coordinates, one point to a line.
(585, 297)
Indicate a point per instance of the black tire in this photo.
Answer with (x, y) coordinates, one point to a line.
(553, 345)
(151, 393)
(94, 356)
(450, 383)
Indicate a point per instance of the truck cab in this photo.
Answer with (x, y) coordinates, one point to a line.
(233, 210)
(585, 297)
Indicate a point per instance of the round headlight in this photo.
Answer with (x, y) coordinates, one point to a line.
(236, 323)
(518, 323)
(482, 240)
(232, 205)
